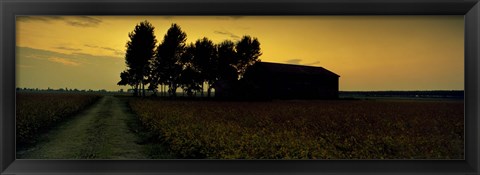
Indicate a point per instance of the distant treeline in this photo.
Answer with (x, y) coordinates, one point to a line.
(18, 89)
(416, 94)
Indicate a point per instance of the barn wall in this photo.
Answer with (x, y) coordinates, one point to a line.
(259, 83)
(301, 87)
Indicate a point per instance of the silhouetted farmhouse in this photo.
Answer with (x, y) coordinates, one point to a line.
(266, 80)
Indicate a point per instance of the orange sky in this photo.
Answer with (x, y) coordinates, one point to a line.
(368, 52)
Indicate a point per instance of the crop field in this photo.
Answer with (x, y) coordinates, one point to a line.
(343, 129)
(38, 112)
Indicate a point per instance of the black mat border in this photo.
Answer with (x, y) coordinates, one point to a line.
(9, 9)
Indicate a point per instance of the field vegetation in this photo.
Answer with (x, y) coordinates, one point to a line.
(342, 129)
(39, 112)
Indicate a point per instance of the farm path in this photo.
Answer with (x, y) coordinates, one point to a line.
(99, 132)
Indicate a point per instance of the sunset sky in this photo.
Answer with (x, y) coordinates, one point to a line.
(368, 52)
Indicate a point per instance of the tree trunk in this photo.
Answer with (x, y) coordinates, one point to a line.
(174, 90)
(135, 91)
(201, 91)
(143, 89)
(165, 90)
(209, 90)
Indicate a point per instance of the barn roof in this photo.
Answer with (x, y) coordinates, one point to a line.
(294, 69)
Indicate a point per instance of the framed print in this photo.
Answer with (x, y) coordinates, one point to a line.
(247, 87)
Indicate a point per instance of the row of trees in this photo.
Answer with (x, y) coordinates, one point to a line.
(175, 64)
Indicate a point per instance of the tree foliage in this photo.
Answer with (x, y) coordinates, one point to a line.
(205, 57)
(166, 65)
(248, 51)
(190, 78)
(140, 50)
(226, 61)
(175, 64)
(126, 79)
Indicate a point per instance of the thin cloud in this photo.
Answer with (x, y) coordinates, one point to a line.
(76, 21)
(227, 33)
(38, 18)
(33, 56)
(67, 48)
(298, 62)
(63, 61)
(294, 61)
(79, 54)
(83, 21)
(108, 48)
(70, 59)
(115, 51)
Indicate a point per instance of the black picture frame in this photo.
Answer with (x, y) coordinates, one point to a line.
(10, 8)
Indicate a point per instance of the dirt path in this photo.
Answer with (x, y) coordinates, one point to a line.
(99, 132)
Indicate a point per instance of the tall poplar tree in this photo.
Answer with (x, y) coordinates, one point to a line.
(205, 58)
(247, 53)
(140, 50)
(167, 58)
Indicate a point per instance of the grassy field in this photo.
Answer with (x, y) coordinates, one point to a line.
(39, 112)
(294, 129)
(342, 129)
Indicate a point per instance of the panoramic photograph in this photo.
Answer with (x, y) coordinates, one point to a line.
(240, 87)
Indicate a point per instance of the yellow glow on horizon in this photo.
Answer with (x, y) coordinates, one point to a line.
(368, 52)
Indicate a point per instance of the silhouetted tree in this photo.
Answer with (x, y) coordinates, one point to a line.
(227, 74)
(205, 59)
(226, 61)
(140, 50)
(157, 75)
(167, 57)
(173, 64)
(247, 53)
(127, 79)
(153, 80)
(190, 78)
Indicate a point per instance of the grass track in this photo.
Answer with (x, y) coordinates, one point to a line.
(100, 132)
